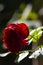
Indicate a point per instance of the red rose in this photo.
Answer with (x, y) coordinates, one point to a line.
(14, 37)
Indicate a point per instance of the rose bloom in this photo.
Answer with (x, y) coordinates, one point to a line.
(14, 37)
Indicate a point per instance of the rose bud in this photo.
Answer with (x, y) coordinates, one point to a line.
(14, 37)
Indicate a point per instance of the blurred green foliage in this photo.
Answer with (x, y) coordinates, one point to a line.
(33, 16)
(22, 6)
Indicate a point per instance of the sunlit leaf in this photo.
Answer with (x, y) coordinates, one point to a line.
(34, 54)
(37, 52)
(21, 56)
(35, 35)
(4, 54)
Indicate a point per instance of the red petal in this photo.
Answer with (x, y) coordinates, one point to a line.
(24, 29)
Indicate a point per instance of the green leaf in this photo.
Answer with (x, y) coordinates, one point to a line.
(35, 35)
(37, 52)
(21, 55)
(4, 54)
